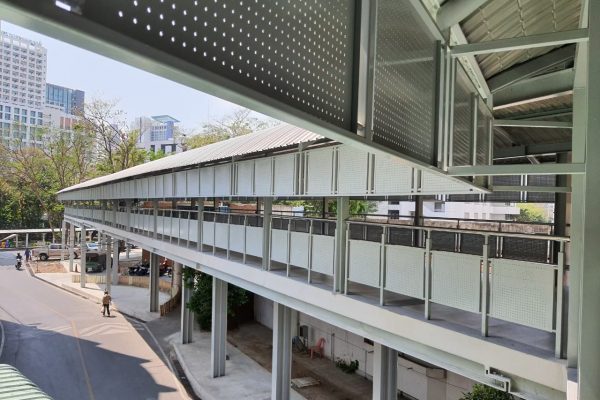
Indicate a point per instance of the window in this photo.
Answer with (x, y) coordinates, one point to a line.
(394, 214)
(467, 215)
(439, 206)
(394, 202)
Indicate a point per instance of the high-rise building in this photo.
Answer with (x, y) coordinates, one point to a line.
(70, 100)
(157, 133)
(22, 87)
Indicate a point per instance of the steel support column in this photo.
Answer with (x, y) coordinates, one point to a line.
(267, 213)
(200, 240)
(108, 261)
(385, 372)
(187, 316)
(115, 262)
(343, 213)
(155, 218)
(218, 334)
(71, 245)
(82, 256)
(281, 367)
(63, 234)
(154, 276)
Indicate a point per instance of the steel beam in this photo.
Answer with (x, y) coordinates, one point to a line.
(518, 169)
(218, 333)
(534, 89)
(537, 189)
(532, 67)
(522, 42)
(385, 373)
(470, 63)
(454, 11)
(281, 367)
(531, 150)
(524, 123)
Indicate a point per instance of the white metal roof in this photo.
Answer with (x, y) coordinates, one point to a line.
(277, 137)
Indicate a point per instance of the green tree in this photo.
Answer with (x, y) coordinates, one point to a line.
(531, 213)
(201, 299)
(484, 392)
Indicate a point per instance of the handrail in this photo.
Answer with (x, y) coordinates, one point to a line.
(474, 232)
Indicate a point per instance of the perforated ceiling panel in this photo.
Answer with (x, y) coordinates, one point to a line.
(484, 116)
(297, 51)
(461, 133)
(403, 115)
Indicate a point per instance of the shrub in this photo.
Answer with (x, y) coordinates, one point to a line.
(484, 392)
(347, 367)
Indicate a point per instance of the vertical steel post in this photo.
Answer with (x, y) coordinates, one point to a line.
(218, 333)
(228, 234)
(245, 239)
(341, 236)
(154, 276)
(266, 250)
(382, 267)
(428, 275)
(71, 245)
(187, 316)
(115, 261)
(558, 321)
(200, 239)
(385, 373)
(289, 248)
(282, 352)
(310, 247)
(83, 260)
(63, 234)
(485, 286)
(108, 263)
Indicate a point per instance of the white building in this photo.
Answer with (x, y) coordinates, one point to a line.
(448, 209)
(23, 86)
(157, 133)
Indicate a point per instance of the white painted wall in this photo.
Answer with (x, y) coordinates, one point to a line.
(463, 210)
(419, 380)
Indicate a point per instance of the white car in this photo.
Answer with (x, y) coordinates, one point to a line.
(53, 250)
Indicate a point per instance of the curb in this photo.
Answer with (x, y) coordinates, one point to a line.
(1, 338)
(198, 389)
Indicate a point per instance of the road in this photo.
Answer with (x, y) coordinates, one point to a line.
(65, 346)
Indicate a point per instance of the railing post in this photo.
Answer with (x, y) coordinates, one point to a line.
(347, 257)
(199, 237)
(155, 218)
(128, 215)
(245, 239)
(267, 227)
(382, 269)
(289, 247)
(559, 301)
(228, 234)
(214, 247)
(170, 226)
(341, 242)
(310, 246)
(428, 275)
(115, 205)
(485, 287)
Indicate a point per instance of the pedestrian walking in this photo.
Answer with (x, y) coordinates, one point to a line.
(27, 255)
(106, 303)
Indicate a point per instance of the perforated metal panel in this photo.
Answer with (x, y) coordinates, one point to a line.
(319, 172)
(323, 254)
(168, 185)
(279, 245)
(223, 180)
(193, 182)
(403, 117)
(152, 187)
(144, 185)
(221, 235)
(254, 236)
(435, 184)
(444, 241)
(511, 180)
(299, 52)
(353, 165)
(263, 176)
(456, 280)
(363, 262)
(401, 236)
(285, 174)
(184, 228)
(236, 238)
(181, 184)
(525, 249)
(405, 270)
(208, 229)
(484, 116)
(522, 292)
(207, 181)
(245, 178)
(193, 230)
(391, 177)
(541, 180)
(299, 249)
(463, 113)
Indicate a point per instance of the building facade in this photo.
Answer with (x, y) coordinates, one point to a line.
(22, 84)
(157, 133)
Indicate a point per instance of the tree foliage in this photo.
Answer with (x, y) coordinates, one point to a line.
(484, 392)
(531, 213)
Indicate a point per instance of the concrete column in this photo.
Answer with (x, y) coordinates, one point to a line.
(27, 240)
(281, 368)
(154, 276)
(218, 334)
(115, 262)
(108, 262)
(187, 316)
(71, 246)
(82, 257)
(127, 250)
(177, 276)
(63, 234)
(343, 213)
(385, 373)
(267, 213)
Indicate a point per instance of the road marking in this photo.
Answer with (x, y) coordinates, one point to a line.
(85, 371)
(104, 329)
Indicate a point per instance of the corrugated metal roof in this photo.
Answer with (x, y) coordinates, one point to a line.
(501, 19)
(270, 139)
(13, 385)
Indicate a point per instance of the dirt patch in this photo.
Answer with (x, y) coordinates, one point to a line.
(47, 267)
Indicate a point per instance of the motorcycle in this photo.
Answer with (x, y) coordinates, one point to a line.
(18, 264)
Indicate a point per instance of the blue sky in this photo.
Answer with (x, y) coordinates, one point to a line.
(138, 92)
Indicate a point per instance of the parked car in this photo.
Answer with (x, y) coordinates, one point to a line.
(53, 250)
(95, 262)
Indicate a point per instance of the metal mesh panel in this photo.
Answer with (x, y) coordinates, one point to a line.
(300, 225)
(473, 244)
(541, 180)
(403, 116)
(324, 228)
(358, 232)
(512, 180)
(443, 241)
(525, 249)
(461, 137)
(280, 223)
(374, 233)
(400, 236)
(296, 51)
(484, 117)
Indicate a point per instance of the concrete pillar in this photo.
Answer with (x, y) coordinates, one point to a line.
(127, 250)
(82, 260)
(115, 262)
(267, 213)
(177, 276)
(281, 368)
(154, 276)
(187, 316)
(108, 262)
(218, 334)
(343, 213)
(385, 373)
(71, 246)
(27, 240)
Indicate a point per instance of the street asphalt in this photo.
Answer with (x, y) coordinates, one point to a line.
(65, 346)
